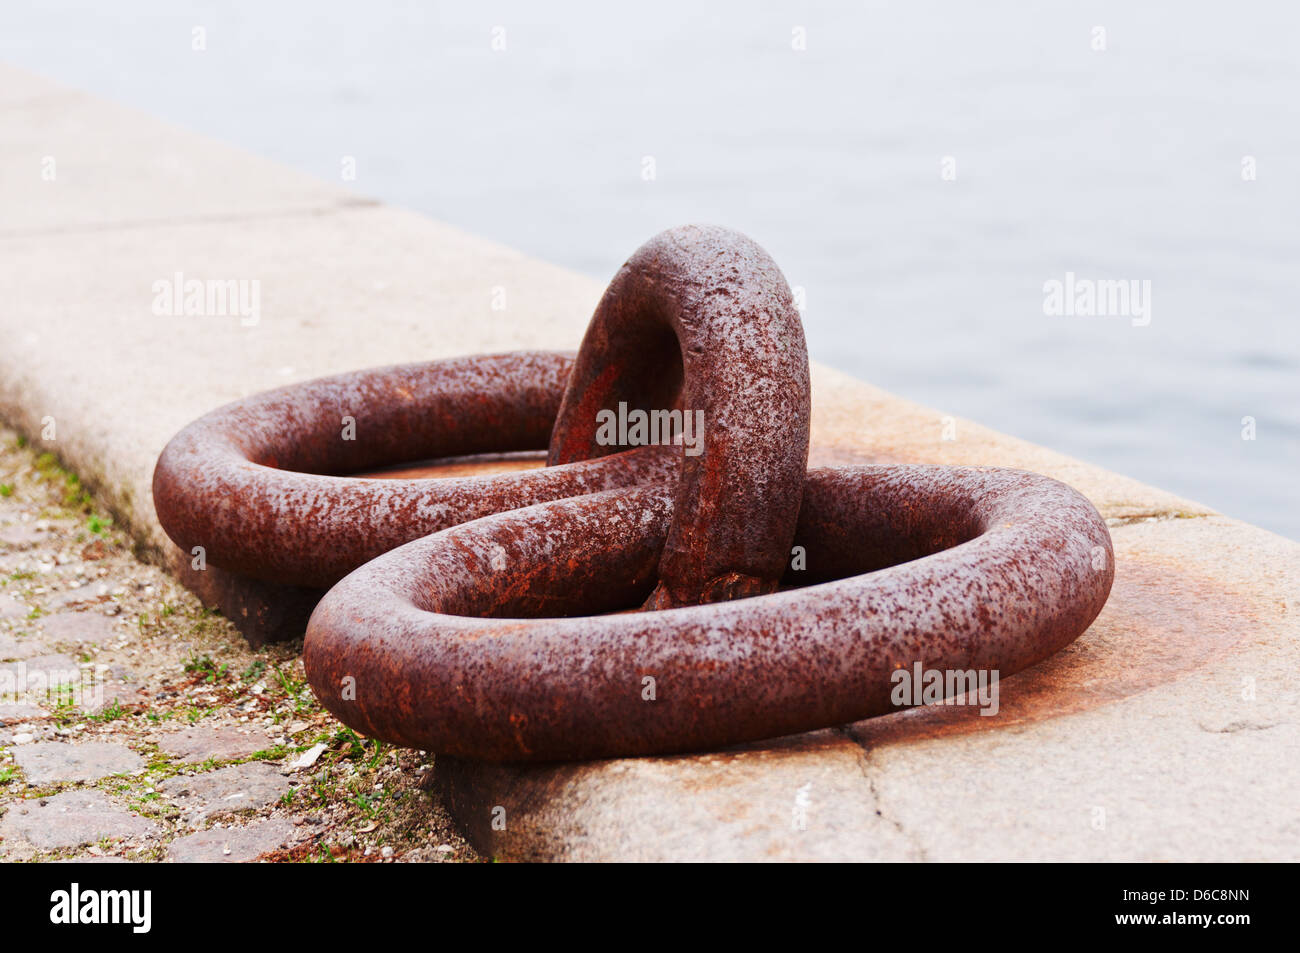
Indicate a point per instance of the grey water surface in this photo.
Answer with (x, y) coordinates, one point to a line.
(920, 170)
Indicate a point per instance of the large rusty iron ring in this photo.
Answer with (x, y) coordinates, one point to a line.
(485, 639)
(701, 316)
(435, 645)
(257, 482)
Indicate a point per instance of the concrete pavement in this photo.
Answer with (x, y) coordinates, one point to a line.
(1169, 731)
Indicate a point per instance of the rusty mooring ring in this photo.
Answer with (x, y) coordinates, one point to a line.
(255, 482)
(482, 640)
(701, 317)
(435, 645)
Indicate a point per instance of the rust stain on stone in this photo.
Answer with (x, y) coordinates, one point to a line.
(835, 455)
(485, 464)
(1161, 623)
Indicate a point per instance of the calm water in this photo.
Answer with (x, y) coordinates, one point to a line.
(1123, 163)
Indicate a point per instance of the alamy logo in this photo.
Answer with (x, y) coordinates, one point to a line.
(1098, 298)
(922, 686)
(73, 906)
(639, 428)
(70, 685)
(179, 296)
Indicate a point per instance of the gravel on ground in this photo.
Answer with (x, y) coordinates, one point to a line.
(137, 725)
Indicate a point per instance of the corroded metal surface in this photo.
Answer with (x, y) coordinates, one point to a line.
(437, 644)
(701, 317)
(252, 482)
(500, 636)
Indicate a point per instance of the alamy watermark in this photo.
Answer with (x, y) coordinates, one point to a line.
(1098, 298)
(179, 296)
(133, 908)
(639, 428)
(71, 684)
(932, 686)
